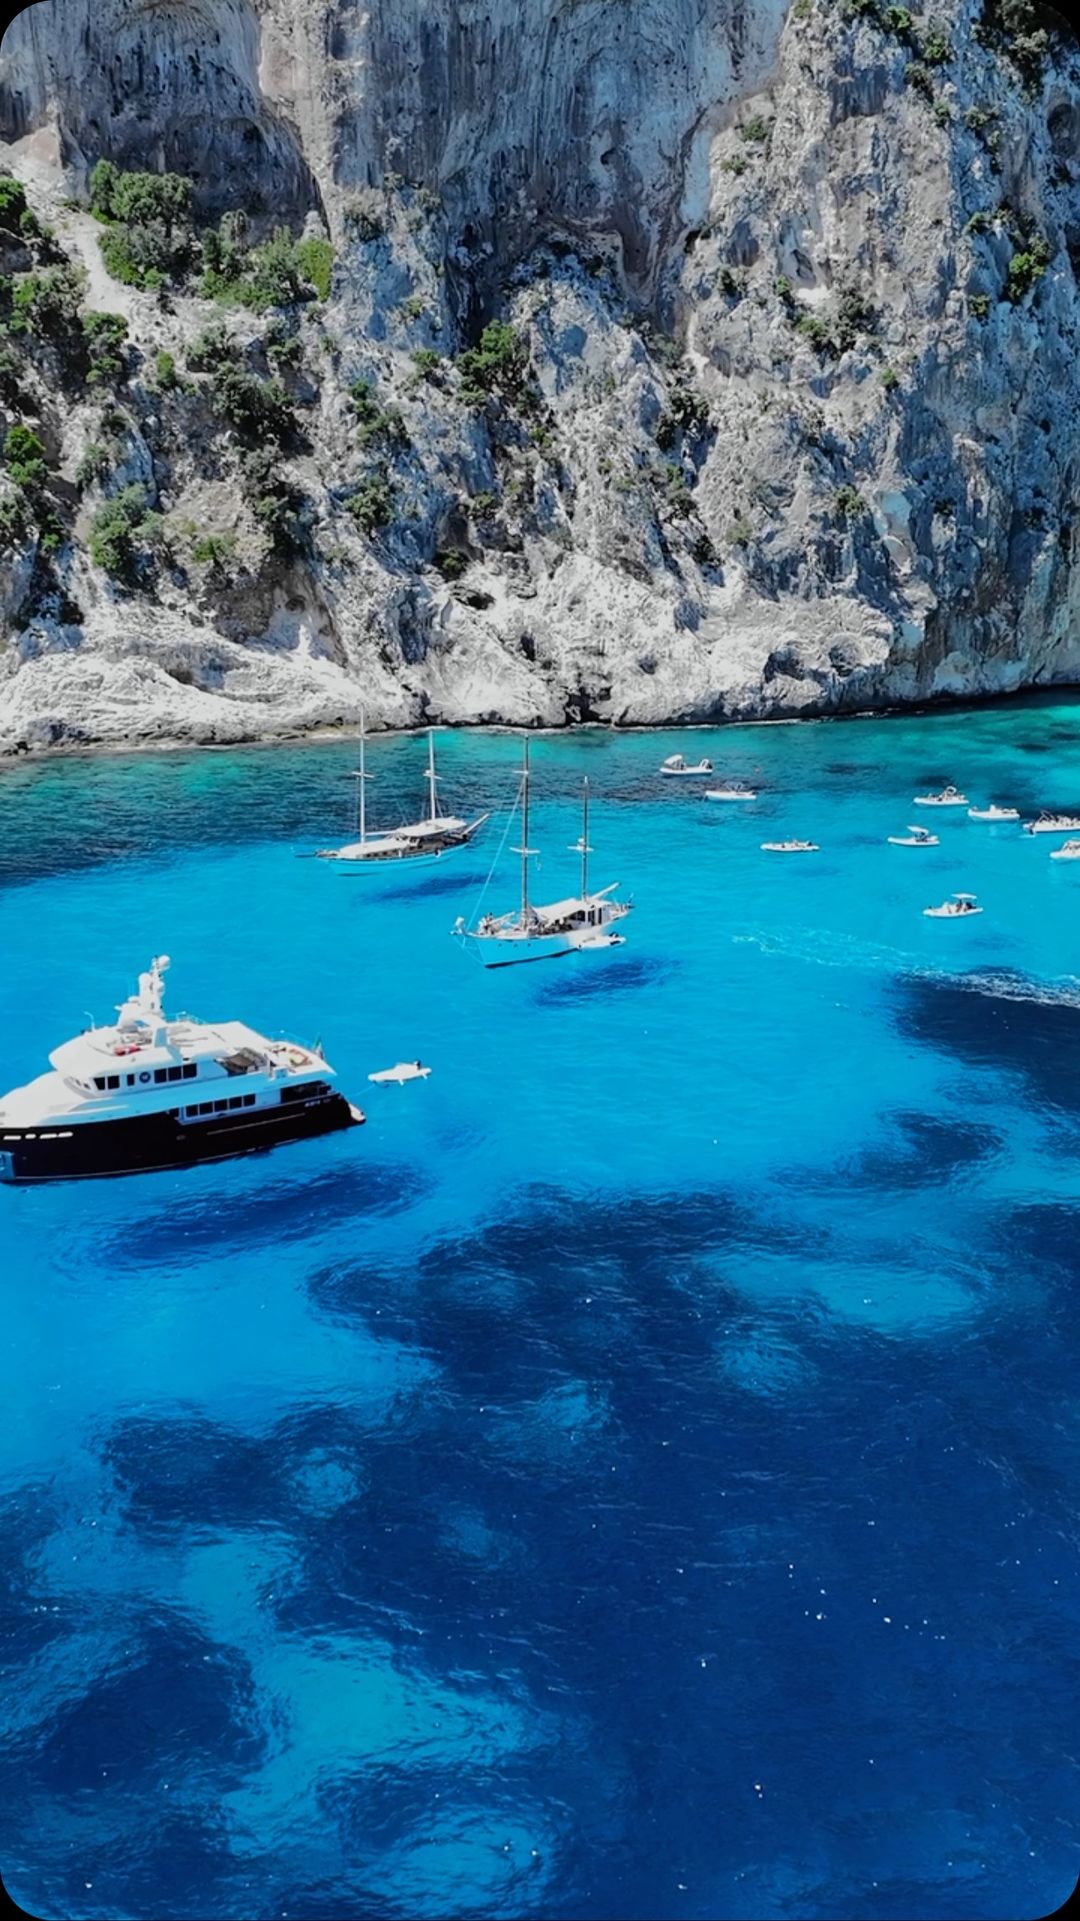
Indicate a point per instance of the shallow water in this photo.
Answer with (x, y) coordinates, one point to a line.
(638, 1473)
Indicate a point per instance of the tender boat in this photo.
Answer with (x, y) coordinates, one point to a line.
(790, 847)
(1069, 851)
(425, 839)
(915, 837)
(993, 813)
(585, 922)
(1053, 824)
(955, 909)
(949, 797)
(731, 790)
(676, 766)
(397, 1076)
(148, 1094)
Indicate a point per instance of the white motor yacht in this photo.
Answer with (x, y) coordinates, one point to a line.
(993, 813)
(1070, 850)
(147, 1093)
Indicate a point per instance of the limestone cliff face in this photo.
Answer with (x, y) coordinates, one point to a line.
(798, 428)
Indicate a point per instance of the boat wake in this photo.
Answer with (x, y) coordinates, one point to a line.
(836, 950)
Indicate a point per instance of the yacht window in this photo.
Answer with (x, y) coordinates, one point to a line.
(249, 1100)
(305, 1090)
(175, 1073)
(190, 1070)
(99, 1083)
(161, 1074)
(114, 1080)
(131, 1080)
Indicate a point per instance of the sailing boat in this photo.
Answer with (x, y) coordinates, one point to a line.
(583, 922)
(434, 835)
(437, 832)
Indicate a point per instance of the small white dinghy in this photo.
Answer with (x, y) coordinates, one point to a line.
(915, 837)
(397, 1076)
(993, 813)
(955, 909)
(949, 797)
(790, 847)
(1070, 851)
(731, 790)
(675, 766)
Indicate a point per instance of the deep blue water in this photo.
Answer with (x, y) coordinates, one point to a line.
(636, 1474)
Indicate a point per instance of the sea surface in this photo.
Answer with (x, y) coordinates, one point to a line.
(638, 1473)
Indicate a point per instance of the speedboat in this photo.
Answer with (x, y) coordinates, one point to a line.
(915, 837)
(676, 766)
(993, 813)
(146, 1094)
(1053, 824)
(1069, 851)
(790, 847)
(955, 909)
(731, 790)
(949, 797)
(585, 922)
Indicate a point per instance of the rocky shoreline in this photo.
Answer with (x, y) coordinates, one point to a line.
(759, 400)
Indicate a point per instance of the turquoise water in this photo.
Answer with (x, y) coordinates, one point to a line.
(639, 1472)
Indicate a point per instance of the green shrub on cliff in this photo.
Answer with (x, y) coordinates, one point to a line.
(497, 365)
(24, 456)
(371, 503)
(1027, 266)
(848, 503)
(12, 204)
(121, 532)
(45, 305)
(259, 410)
(105, 335)
(149, 239)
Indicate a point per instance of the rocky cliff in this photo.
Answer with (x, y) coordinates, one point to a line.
(532, 360)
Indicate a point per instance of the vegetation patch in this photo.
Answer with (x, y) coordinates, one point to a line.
(1026, 267)
(25, 457)
(497, 367)
(371, 503)
(105, 335)
(848, 503)
(122, 534)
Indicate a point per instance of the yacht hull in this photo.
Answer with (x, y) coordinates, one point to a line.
(158, 1143)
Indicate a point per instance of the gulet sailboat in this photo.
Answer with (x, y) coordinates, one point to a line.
(428, 838)
(583, 923)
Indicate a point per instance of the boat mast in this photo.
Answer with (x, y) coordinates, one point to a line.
(585, 838)
(360, 776)
(524, 850)
(431, 772)
(525, 834)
